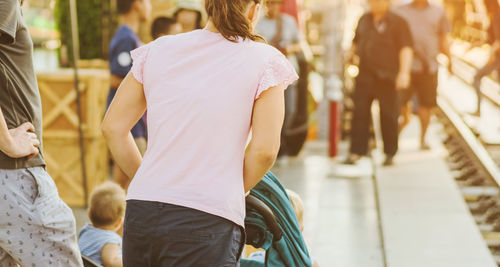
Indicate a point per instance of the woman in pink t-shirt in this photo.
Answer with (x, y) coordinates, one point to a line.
(205, 91)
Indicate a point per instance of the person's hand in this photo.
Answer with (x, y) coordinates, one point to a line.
(402, 81)
(23, 142)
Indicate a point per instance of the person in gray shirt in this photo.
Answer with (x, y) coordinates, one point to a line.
(430, 28)
(36, 227)
(281, 31)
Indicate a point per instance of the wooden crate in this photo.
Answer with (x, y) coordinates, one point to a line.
(61, 147)
(62, 156)
(60, 118)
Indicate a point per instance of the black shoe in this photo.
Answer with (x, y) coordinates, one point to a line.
(389, 161)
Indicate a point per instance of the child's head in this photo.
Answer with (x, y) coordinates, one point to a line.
(298, 207)
(107, 206)
(164, 26)
(141, 7)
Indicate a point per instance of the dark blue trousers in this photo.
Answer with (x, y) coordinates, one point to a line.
(160, 234)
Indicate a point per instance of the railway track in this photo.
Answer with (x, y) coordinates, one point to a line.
(473, 160)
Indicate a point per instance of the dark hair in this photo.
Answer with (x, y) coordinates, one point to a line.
(124, 6)
(161, 25)
(229, 18)
(198, 19)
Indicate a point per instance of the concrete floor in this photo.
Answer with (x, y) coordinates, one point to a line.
(340, 218)
(423, 218)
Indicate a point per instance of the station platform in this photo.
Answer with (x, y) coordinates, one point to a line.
(409, 214)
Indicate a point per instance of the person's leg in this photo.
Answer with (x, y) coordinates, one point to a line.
(404, 116)
(405, 101)
(389, 112)
(360, 124)
(38, 227)
(484, 71)
(427, 97)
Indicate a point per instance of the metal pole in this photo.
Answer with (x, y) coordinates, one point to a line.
(76, 57)
(333, 33)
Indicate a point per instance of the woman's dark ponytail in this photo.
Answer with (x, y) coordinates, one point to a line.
(228, 16)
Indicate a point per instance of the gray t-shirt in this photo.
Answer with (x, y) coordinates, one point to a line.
(427, 25)
(19, 96)
(268, 28)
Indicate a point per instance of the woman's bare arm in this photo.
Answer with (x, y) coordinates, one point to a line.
(267, 120)
(128, 106)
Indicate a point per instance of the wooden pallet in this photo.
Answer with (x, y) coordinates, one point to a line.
(60, 118)
(62, 156)
(61, 147)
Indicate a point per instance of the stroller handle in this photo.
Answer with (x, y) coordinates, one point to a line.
(268, 215)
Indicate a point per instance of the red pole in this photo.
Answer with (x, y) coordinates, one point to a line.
(334, 128)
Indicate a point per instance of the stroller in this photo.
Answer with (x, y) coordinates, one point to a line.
(271, 224)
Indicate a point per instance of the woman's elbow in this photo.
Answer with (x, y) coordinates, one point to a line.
(268, 153)
(109, 130)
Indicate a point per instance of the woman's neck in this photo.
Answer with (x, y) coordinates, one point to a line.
(211, 27)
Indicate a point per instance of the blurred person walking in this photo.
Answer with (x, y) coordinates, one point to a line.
(36, 227)
(383, 43)
(204, 91)
(132, 14)
(281, 31)
(493, 10)
(430, 29)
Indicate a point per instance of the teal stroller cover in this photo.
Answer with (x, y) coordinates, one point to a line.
(280, 236)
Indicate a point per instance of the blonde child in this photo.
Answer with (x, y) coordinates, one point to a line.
(101, 239)
(298, 208)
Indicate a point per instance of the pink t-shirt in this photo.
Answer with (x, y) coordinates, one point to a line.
(200, 90)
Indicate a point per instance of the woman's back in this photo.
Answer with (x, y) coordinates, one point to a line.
(200, 90)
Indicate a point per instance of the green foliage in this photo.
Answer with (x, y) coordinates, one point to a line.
(90, 26)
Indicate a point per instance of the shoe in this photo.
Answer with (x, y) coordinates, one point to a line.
(389, 161)
(425, 146)
(351, 159)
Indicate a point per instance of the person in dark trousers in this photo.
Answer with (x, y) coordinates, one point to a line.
(430, 29)
(36, 227)
(281, 31)
(383, 43)
(132, 14)
(493, 10)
